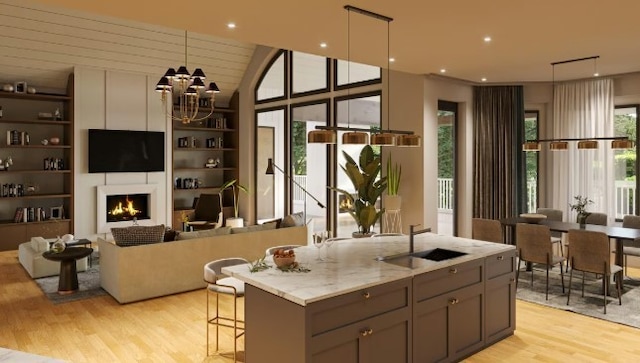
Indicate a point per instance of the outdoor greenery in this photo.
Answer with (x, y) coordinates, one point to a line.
(625, 125)
(445, 150)
(299, 144)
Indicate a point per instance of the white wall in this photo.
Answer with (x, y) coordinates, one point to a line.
(115, 100)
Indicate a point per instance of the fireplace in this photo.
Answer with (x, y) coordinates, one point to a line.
(127, 207)
(118, 205)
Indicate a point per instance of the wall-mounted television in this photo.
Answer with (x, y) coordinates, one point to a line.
(124, 151)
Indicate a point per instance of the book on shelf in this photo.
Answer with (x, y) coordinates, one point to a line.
(17, 217)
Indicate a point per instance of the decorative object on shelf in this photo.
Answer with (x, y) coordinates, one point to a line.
(8, 162)
(31, 189)
(391, 200)
(15, 137)
(367, 189)
(235, 190)
(54, 140)
(58, 246)
(31, 90)
(271, 165)
(56, 212)
(580, 206)
(327, 134)
(44, 142)
(7, 87)
(212, 163)
(185, 88)
(56, 115)
(45, 116)
(20, 87)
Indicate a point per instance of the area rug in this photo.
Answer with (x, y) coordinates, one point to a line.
(591, 304)
(88, 285)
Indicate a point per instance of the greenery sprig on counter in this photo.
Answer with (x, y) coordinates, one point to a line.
(258, 265)
(294, 267)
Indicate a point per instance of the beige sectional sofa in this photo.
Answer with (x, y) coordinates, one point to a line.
(151, 270)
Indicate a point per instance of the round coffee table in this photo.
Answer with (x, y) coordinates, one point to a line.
(68, 282)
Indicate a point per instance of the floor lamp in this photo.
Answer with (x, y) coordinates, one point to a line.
(271, 166)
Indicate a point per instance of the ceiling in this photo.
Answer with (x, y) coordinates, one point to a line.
(426, 36)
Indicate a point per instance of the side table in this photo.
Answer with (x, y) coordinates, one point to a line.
(68, 281)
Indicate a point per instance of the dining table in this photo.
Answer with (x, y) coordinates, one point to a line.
(620, 234)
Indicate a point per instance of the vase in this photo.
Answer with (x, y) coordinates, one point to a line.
(392, 202)
(235, 222)
(582, 219)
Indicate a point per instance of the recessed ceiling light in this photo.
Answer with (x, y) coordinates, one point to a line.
(231, 25)
(596, 74)
(443, 70)
(484, 79)
(323, 45)
(392, 59)
(487, 39)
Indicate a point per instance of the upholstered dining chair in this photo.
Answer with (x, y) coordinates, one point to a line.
(593, 218)
(230, 286)
(532, 244)
(630, 248)
(590, 252)
(489, 230)
(554, 215)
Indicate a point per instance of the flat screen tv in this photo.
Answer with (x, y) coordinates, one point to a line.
(124, 151)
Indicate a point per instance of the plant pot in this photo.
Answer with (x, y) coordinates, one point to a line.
(391, 202)
(234, 222)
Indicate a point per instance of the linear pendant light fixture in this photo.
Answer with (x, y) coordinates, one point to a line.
(354, 135)
(586, 143)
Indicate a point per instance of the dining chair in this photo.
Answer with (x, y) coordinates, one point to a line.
(630, 248)
(590, 252)
(593, 218)
(554, 215)
(489, 230)
(220, 285)
(532, 244)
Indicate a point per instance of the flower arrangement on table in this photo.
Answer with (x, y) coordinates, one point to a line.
(580, 206)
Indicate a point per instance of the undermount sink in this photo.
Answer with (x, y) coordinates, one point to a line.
(406, 259)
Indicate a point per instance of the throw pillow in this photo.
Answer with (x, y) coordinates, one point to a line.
(138, 235)
(256, 228)
(39, 244)
(170, 234)
(278, 222)
(292, 220)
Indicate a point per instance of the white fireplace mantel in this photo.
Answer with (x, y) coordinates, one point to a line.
(107, 190)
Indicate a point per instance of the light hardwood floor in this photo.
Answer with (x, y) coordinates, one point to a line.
(172, 329)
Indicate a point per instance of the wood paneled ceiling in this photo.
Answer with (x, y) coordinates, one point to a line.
(426, 36)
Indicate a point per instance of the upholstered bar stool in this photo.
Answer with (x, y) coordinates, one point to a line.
(230, 286)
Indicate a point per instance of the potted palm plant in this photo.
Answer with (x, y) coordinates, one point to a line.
(392, 200)
(364, 176)
(235, 187)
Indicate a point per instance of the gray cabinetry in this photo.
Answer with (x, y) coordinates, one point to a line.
(500, 294)
(448, 313)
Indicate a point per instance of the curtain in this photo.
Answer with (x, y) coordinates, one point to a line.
(498, 117)
(584, 109)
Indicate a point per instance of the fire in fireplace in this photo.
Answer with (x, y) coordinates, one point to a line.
(127, 207)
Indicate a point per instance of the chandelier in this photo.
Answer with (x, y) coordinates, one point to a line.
(186, 92)
(354, 135)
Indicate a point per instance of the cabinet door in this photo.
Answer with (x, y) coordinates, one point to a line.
(448, 326)
(500, 307)
(382, 339)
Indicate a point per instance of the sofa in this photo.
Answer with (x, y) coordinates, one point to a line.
(133, 273)
(30, 257)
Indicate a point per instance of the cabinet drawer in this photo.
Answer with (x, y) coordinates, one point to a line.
(447, 279)
(359, 305)
(500, 264)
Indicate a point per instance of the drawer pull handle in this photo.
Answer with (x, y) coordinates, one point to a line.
(454, 301)
(366, 295)
(453, 271)
(366, 332)
(500, 258)
(370, 331)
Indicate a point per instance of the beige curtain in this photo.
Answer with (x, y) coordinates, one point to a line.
(498, 120)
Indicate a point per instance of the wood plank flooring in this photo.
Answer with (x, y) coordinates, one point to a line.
(172, 329)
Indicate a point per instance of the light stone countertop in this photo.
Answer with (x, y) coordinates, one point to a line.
(351, 265)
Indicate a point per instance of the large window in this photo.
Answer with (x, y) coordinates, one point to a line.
(282, 135)
(625, 162)
(447, 116)
(531, 162)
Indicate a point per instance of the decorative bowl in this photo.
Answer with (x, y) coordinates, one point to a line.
(533, 217)
(284, 261)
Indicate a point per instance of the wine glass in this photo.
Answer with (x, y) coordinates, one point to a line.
(318, 241)
(328, 241)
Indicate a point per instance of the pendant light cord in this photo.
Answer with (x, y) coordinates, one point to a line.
(185, 49)
(348, 67)
(388, 75)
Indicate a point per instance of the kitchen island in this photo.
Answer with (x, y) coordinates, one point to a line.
(353, 307)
